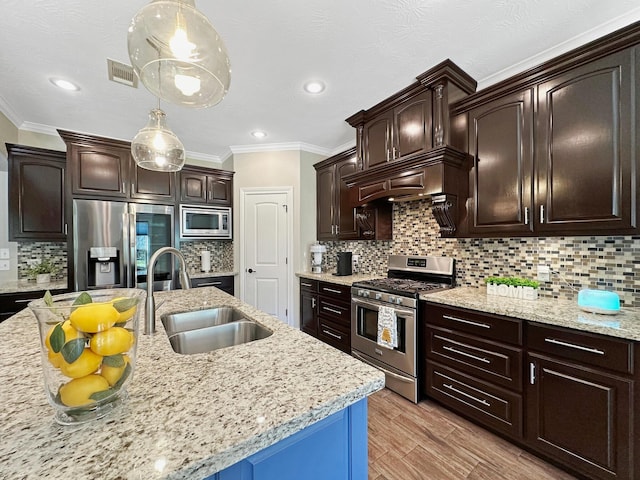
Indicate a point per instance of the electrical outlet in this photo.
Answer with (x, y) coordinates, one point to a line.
(544, 273)
(4, 264)
(4, 253)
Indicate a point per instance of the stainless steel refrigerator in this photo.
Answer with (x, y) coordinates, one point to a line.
(113, 242)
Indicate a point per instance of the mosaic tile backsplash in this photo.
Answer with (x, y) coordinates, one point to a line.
(221, 253)
(576, 262)
(32, 253)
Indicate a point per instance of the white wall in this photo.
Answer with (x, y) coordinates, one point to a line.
(8, 134)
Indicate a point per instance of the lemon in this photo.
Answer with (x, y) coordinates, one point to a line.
(113, 374)
(77, 392)
(70, 333)
(125, 316)
(87, 363)
(94, 317)
(112, 341)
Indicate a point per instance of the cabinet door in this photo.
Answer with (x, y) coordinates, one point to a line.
(585, 148)
(152, 185)
(412, 126)
(219, 191)
(347, 227)
(325, 184)
(501, 142)
(36, 197)
(308, 312)
(193, 187)
(580, 417)
(99, 170)
(377, 141)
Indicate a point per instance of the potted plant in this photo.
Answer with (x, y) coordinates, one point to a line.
(42, 272)
(514, 287)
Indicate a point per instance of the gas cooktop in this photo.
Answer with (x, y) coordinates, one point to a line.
(401, 285)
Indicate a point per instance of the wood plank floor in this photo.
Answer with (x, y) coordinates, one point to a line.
(428, 442)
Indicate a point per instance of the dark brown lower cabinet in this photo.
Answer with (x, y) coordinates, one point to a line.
(309, 306)
(12, 303)
(226, 283)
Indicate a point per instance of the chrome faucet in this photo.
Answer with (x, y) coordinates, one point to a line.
(150, 311)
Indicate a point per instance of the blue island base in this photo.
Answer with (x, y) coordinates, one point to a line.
(334, 448)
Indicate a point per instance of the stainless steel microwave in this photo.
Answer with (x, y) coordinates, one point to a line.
(200, 221)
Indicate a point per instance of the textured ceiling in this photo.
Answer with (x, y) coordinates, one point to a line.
(364, 50)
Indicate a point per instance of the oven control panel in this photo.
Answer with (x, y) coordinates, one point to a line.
(383, 298)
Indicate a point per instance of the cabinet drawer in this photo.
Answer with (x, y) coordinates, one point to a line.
(12, 303)
(491, 361)
(336, 311)
(491, 406)
(335, 336)
(586, 348)
(480, 324)
(337, 292)
(308, 285)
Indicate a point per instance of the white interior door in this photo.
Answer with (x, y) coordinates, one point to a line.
(266, 243)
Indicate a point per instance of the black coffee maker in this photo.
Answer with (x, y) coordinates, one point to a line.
(344, 264)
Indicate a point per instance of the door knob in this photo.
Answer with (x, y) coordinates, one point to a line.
(251, 270)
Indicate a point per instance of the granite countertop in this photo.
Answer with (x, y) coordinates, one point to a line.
(188, 416)
(338, 280)
(562, 313)
(212, 274)
(18, 286)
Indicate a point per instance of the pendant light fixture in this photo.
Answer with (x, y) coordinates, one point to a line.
(155, 147)
(178, 55)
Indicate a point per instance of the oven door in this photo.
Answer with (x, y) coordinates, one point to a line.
(364, 335)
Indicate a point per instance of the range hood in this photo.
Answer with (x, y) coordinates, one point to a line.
(440, 172)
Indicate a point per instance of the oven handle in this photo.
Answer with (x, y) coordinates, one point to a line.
(386, 372)
(375, 304)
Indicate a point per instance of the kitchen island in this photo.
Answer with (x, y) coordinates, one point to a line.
(188, 416)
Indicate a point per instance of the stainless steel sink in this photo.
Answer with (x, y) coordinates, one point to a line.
(206, 330)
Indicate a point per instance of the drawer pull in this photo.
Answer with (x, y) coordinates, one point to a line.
(313, 303)
(332, 310)
(532, 373)
(454, 389)
(210, 284)
(460, 352)
(23, 300)
(332, 290)
(306, 284)
(571, 345)
(469, 322)
(331, 334)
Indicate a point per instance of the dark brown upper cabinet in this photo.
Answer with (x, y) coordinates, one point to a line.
(584, 156)
(555, 148)
(501, 175)
(337, 218)
(36, 181)
(103, 167)
(208, 186)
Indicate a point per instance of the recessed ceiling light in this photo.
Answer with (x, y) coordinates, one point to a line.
(259, 134)
(314, 87)
(64, 84)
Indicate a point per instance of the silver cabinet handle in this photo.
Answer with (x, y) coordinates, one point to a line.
(326, 289)
(23, 300)
(532, 373)
(468, 322)
(331, 334)
(332, 310)
(375, 365)
(541, 213)
(572, 345)
(465, 354)
(65, 228)
(395, 153)
(526, 215)
(133, 187)
(454, 389)
(313, 303)
(306, 284)
(210, 284)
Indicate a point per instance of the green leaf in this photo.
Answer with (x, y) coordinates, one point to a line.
(83, 299)
(125, 374)
(114, 360)
(57, 338)
(72, 350)
(48, 299)
(125, 304)
(102, 394)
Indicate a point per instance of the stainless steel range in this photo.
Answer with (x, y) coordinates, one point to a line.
(407, 278)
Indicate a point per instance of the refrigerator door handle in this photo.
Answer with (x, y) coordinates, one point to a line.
(129, 244)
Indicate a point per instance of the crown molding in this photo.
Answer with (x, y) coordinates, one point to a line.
(9, 112)
(39, 128)
(205, 157)
(279, 147)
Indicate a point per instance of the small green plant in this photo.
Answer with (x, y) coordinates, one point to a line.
(512, 281)
(45, 266)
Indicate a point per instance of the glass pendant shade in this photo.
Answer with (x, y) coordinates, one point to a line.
(178, 55)
(155, 147)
